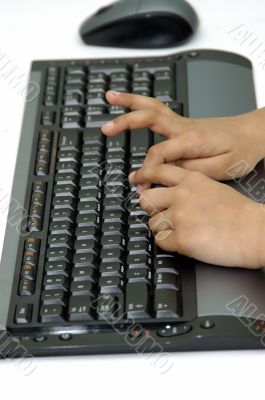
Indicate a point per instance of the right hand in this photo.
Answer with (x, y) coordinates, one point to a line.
(222, 148)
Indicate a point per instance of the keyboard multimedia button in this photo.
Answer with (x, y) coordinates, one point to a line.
(23, 313)
(48, 117)
(26, 287)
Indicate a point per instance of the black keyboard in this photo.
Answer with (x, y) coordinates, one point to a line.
(88, 254)
(85, 258)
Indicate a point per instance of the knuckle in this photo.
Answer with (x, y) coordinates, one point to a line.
(144, 201)
(123, 119)
(146, 172)
(179, 215)
(150, 114)
(194, 177)
(153, 151)
(158, 103)
(182, 193)
(194, 136)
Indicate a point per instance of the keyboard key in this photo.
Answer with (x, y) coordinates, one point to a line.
(83, 288)
(167, 303)
(57, 268)
(80, 309)
(139, 275)
(85, 260)
(59, 254)
(34, 224)
(23, 313)
(167, 281)
(47, 117)
(113, 241)
(61, 227)
(95, 110)
(87, 207)
(40, 186)
(136, 260)
(72, 122)
(63, 214)
(31, 257)
(140, 141)
(67, 167)
(68, 155)
(60, 282)
(54, 297)
(27, 287)
(117, 143)
(70, 140)
(109, 306)
(86, 246)
(84, 274)
(74, 99)
(32, 244)
(37, 205)
(112, 254)
(60, 241)
(112, 269)
(76, 70)
(28, 271)
(64, 202)
(52, 313)
(138, 300)
(86, 232)
(73, 111)
(141, 246)
(111, 284)
(164, 90)
(65, 178)
(88, 220)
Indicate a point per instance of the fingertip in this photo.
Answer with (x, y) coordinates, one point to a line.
(142, 188)
(131, 176)
(112, 94)
(107, 128)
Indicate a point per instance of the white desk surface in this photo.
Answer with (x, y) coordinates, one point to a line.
(48, 30)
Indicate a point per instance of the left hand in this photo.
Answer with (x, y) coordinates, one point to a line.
(201, 218)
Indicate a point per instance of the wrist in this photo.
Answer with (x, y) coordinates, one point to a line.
(254, 125)
(260, 249)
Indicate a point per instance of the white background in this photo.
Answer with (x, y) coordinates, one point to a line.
(49, 30)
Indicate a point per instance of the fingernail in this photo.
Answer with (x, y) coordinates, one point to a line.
(107, 127)
(131, 176)
(114, 93)
(139, 189)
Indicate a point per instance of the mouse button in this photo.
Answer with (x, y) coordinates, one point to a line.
(103, 9)
(125, 7)
(154, 6)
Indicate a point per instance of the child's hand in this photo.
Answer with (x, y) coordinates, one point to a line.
(203, 219)
(222, 148)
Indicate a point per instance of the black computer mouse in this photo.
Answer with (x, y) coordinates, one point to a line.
(146, 24)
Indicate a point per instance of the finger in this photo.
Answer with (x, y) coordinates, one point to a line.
(133, 120)
(166, 240)
(152, 118)
(156, 200)
(161, 222)
(164, 174)
(190, 145)
(214, 167)
(171, 150)
(132, 101)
